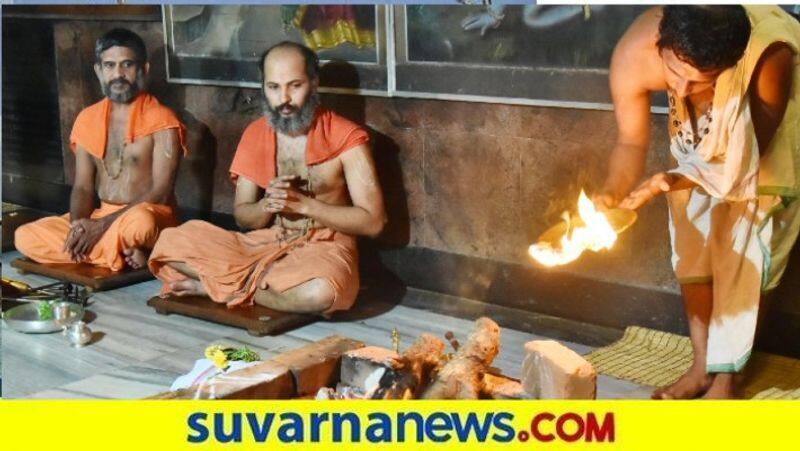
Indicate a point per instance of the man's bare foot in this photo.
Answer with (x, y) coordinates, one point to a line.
(188, 287)
(722, 387)
(692, 384)
(135, 257)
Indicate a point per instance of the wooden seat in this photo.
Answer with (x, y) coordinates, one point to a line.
(92, 277)
(255, 319)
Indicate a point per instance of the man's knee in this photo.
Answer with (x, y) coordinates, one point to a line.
(314, 296)
(139, 225)
(24, 237)
(317, 294)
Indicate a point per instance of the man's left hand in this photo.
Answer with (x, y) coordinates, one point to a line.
(287, 200)
(87, 232)
(649, 189)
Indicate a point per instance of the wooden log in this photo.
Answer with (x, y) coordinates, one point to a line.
(420, 361)
(361, 364)
(497, 386)
(318, 364)
(462, 377)
(296, 373)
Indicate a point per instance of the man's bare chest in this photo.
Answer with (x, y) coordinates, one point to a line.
(291, 156)
(291, 160)
(120, 155)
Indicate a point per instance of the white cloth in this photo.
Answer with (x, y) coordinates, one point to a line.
(721, 154)
(204, 370)
(720, 241)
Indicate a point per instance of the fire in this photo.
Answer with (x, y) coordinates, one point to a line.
(595, 234)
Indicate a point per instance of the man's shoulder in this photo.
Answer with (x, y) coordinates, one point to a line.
(641, 37)
(636, 62)
(257, 125)
(153, 109)
(254, 136)
(92, 112)
(337, 121)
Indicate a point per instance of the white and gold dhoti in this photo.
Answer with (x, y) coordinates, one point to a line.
(736, 228)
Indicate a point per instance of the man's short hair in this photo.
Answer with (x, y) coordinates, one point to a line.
(310, 57)
(707, 37)
(121, 37)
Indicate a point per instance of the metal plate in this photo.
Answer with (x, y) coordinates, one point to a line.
(619, 218)
(25, 318)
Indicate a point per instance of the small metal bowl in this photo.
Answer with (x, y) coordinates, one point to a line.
(25, 318)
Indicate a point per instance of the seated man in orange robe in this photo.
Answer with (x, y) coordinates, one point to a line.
(305, 185)
(127, 145)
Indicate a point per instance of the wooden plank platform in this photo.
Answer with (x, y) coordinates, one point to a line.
(93, 277)
(255, 319)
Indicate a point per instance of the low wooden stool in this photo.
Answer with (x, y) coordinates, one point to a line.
(94, 278)
(255, 319)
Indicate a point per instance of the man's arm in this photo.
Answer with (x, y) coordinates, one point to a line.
(632, 112)
(366, 216)
(249, 204)
(166, 159)
(81, 200)
(770, 88)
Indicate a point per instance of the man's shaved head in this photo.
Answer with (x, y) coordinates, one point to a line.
(310, 58)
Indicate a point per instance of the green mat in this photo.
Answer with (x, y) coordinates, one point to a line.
(656, 358)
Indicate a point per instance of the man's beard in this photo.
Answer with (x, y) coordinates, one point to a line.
(298, 122)
(126, 95)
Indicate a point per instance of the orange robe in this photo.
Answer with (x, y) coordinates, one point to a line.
(43, 240)
(232, 265)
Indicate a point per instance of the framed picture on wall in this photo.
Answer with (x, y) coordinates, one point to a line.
(529, 54)
(222, 44)
(549, 55)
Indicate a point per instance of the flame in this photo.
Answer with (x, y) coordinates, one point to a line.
(596, 234)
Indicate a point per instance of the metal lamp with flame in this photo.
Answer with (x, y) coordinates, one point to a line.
(591, 229)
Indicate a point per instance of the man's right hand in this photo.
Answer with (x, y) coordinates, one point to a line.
(83, 236)
(76, 230)
(277, 185)
(604, 200)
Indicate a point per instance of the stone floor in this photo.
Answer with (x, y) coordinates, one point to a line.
(136, 352)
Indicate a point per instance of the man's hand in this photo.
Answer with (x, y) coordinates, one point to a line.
(82, 237)
(282, 196)
(650, 188)
(604, 201)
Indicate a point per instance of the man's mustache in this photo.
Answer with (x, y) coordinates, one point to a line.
(120, 80)
(288, 106)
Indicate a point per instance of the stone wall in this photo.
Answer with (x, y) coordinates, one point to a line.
(473, 179)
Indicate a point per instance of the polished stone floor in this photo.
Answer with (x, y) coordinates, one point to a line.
(136, 352)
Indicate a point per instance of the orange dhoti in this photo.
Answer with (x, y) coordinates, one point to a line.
(43, 240)
(232, 265)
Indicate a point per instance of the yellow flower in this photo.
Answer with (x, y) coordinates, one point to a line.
(211, 350)
(219, 359)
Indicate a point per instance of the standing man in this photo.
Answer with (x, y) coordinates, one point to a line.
(305, 186)
(732, 76)
(128, 146)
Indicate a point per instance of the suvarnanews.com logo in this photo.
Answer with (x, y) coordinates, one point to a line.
(398, 427)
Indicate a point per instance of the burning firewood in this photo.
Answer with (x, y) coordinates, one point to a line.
(462, 377)
(419, 363)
